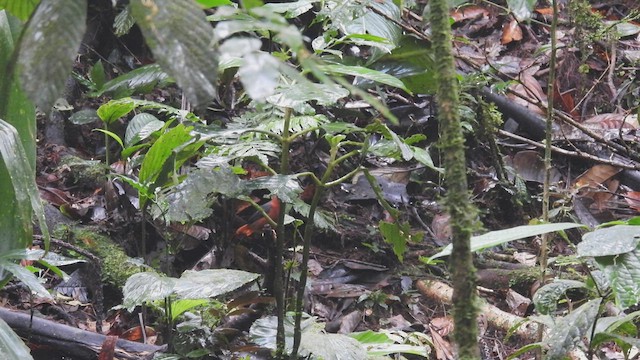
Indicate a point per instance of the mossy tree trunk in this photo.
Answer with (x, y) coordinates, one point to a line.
(458, 203)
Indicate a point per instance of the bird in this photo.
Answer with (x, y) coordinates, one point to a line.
(257, 221)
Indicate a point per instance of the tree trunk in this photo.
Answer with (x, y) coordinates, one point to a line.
(459, 206)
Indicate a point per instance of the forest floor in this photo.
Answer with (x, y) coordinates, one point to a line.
(358, 281)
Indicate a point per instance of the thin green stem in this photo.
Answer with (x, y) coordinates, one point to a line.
(544, 247)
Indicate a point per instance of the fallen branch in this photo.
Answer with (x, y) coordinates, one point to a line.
(72, 341)
(441, 292)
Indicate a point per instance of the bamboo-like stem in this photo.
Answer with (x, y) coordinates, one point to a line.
(544, 246)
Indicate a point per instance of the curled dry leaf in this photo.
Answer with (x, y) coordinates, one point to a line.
(596, 176)
(511, 32)
(469, 13)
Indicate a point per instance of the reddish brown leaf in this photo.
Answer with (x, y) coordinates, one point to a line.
(511, 32)
(107, 351)
(468, 13)
(633, 199)
(614, 121)
(596, 176)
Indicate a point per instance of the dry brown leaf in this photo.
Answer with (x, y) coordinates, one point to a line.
(633, 199)
(511, 32)
(468, 13)
(596, 176)
(517, 303)
(614, 121)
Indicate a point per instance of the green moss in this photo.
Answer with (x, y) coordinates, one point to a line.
(87, 173)
(117, 267)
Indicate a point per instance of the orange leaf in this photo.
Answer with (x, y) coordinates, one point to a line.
(511, 32)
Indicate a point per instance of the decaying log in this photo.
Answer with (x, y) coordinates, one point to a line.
(72, 341)
(441, 292)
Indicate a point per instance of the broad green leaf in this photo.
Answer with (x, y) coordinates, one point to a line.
(160, 152)
(286, 187)
(112, 135)
(145, 287)
(21, 9)
(521, 9)
(211, 283)
(392, 235)
(321, 219)
(11, 345)
(568, 331)
(623, 273)
(291, 9)
(97, 74)
(259, 75)
(614, 240)
(141, 127)
(140, 80)
(365, 73)
(263, 330)
(27, 278)
(83, 117)
(191, 200)
(180, 306)
(498, 237)
(207, 4)
(123, 22)
(328, 346)
(314, 342)
(411, 62)
(546, 298)
(48, 47)
(181, 40)
(23, 198)
(292, 96)
(380, 344)
(115, 109)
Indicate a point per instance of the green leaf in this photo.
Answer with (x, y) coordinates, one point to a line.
(207, 4)
(412, 62)
(295, 95)
(83, 117)
(112, 135)
(546, 298)
(181, 40)
(141, 127)
(21, 9)
(145, 287)
(495, 238)
(123, 22)
(568, 331)
(392, 235)
(521, 9)
(259, 75)
(211, 283)
(140, 80)
(191, 200)
(623, 273)
(48, 48)
(180, 306)
(160, 152)
(614, 240)
(27, 278)
(17, 176)
(365, 73)
(285, 187)
(115, 109)
(11, 345)
(291, 9)
(97, 74)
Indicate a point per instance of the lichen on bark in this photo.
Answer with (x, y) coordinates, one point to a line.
(463, 212)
